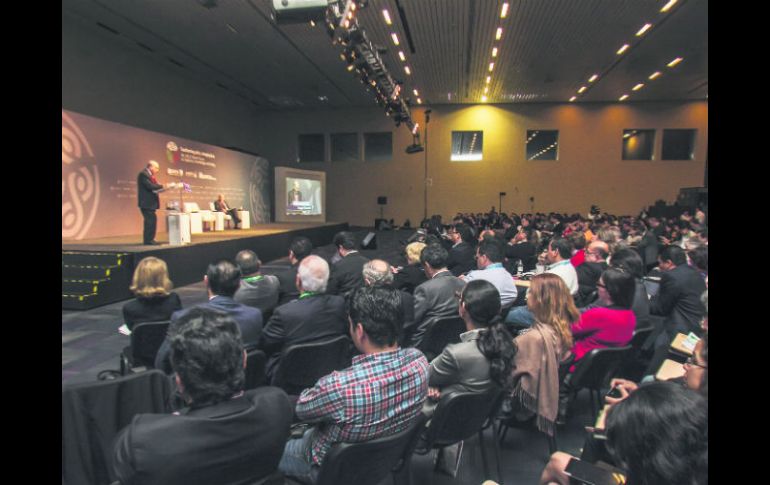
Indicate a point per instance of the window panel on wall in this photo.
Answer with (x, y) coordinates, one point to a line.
(467, 146)
(378, 147)
(678, 144)
(312, 148)
(542, 144)
(638, 144)
(344, 147)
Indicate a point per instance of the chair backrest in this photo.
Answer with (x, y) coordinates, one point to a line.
(191, 207)
(597, 367)
(146, 339)
(442, 333)
(212, 207)
(640, 336)
(461, 414)
(256, 361)
(369, 461)
(303, 364)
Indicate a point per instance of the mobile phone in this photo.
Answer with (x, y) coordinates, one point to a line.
(585, 472)
(615, 393)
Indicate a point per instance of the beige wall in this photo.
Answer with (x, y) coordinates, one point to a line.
(589, 169)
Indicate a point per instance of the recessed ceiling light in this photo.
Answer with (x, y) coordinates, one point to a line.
(637, 87)
(667, 6)
(351, 67)
(582, 88)
(654, 75)
(407, 70)
(489, 79)
(623, 98)
(675, 62)
(621, 50)
(643, 30)
(486, 90)
(416, 93)
(573, 98)
(504, 10)
(593, 78)
(419, 101)
(394, 37)
(491, 66)
(386, 14)
(499, 33)
(494, 52)
(483, 99)
(312, 23)
(401, 56)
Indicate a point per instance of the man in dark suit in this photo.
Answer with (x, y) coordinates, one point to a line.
(256, 289)
(435, 299)
(226, 435)
(521, 248)
(590, 271)
(346, 273)
(220, 205)
(379, 273)
(222, 281)
(147, 188)
(299, 248)
(649, 244)
(462, 255)
(313, 316)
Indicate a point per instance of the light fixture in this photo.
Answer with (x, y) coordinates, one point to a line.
(593, 78)
(401, 56)
(312, 23)
(668, 6)
(486, 90)
(483, 99)
(407, 70)
(504, 10)
(491, 66)
(489, 79)
(643, 30)
(637, 87)
(499, 33)
(414, 130)
(351, 67)
(416, 93)
(623, 98)
(623, 49)
(654, 75)
(386, 14)
(582, 89)
(494, 52)
(674, 62)
(394, 37)
(419, 101)
(573, 98)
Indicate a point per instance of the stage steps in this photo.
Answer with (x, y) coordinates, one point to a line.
(91, 279)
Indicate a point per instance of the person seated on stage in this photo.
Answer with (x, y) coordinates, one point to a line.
(256, 289)
(224, 435)
(315, 315)
(220, 205)
(381, 393)
(346, 273)
(154, 299)
(222, 280)
(299, 248)
(379, 273)
(412, 275)
(489, 260)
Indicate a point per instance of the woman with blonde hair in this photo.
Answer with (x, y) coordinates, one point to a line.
(413, 274)
(154, 299)
(540, 351)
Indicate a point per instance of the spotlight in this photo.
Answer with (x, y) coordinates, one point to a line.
(414, 148)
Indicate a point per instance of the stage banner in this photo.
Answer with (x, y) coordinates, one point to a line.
(100, 161)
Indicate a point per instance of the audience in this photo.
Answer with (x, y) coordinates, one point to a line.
(462, 252)
(299, 249)
(379, 273)
(489, 260)
(521, 249)
(152, 288)
(413, 274)
(224, 435)
(381, 393)
(629, 260)
(346, 273)
(256, 290)
(588, 273)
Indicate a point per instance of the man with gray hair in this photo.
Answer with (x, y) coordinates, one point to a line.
(379, 273)
(313, 316)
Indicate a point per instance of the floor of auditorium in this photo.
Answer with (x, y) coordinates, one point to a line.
(91, 343)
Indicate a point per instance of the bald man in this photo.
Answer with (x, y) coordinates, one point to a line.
(588, 273)
(147, 192)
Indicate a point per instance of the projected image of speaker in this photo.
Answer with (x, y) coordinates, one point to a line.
(370, 241)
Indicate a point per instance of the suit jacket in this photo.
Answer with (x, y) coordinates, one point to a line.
(304, 320)
(140, 310)
(588, 275)
(221, 207)
(262, 294)
(288, 285)
(648, 247)
(409, 278)
(236, 441)
(434, 300)
(462, 258)
(524, 251)
(678, 300)
(346, 274)
(148, 199)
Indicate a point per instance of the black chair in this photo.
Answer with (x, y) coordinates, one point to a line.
(369, 462)
(303, 364)
(636, 362)
(256, 361)
(442, 333)
(458, 416)
(595, 370)
(146, 339)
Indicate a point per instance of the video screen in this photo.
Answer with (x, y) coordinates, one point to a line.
(303, 197)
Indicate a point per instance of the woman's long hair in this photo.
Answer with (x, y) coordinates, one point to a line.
(481, 301)
(151, 278)
(550, 302)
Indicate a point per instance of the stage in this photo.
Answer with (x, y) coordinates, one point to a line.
(98, 271)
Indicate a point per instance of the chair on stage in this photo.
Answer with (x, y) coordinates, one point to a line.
(222, 218)
(198, 217)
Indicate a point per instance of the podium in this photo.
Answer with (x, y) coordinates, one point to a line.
(178, 224)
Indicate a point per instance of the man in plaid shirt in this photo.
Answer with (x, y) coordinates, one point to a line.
(380, 394)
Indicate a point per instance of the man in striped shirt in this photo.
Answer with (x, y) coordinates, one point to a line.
(380, 394)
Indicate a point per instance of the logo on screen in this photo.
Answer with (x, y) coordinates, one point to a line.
(79, 181)
(172, 153)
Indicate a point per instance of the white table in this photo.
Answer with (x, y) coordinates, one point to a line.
(178, 224)
(245, 219)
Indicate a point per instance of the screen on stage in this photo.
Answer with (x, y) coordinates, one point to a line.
(300, 195)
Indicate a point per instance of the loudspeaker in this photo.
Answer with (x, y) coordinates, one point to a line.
(370, 241)
(382, 200)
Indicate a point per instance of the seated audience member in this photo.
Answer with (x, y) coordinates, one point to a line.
(299, 248)
(435, 299)
(588, 273)
(154, 299)
(314, 316)
(541, 350)
(220, 205)
(578, 240)
(629, 260)
(462, 253)
(521, 248)
(658, 435)
(225, 435)
(256, 290)
(413, 274)
(346, 273)
(699, 259)
(222, 281)
(489, 260)
(484, 355)
(379, 273)
(381, 393)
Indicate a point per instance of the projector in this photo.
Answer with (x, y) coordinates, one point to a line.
(415, 148)
(299, 11)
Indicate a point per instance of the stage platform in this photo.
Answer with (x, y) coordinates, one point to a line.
(98, 271)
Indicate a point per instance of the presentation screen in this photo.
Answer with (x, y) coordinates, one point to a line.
(300, 195)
